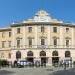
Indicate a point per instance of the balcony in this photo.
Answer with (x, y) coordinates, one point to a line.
(41, 47)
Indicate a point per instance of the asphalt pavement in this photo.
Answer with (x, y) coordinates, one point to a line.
(64, 72)
(37, 71)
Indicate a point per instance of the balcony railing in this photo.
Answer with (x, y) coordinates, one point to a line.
(42, 47)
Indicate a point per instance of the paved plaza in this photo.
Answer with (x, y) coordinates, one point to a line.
(36, 71)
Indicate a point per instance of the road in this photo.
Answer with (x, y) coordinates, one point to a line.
(64, 72)
(36, 71)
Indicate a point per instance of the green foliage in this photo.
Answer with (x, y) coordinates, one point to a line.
(4, 63)
(74, 62)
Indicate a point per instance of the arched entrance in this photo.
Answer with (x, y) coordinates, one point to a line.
(67, 54)
(68, 59)
(30, 56)
(43, 57)
(55, 58)
(18, 55)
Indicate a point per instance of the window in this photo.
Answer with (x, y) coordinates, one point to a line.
(30, 42)
(54, 29)
(9, 43)
(9, 55)
(9, 34)
(3, 34)
(3, 44)
(42, 41)
(67, 29)
(55, 42)
(2, 55)
(42, 28)
(29, 29)
(18, 30)
(18, 43)
(67, 42)
(18, 55)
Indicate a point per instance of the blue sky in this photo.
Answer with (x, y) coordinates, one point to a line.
(19, 10)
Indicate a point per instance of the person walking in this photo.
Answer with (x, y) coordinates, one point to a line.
(64, 65)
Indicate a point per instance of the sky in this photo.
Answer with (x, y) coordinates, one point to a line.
(20, 10)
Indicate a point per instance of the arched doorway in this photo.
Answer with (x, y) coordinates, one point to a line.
(18, 55)
(30, 56)
(43, 57)
(68, 59)
(55, 58)
(67, 54)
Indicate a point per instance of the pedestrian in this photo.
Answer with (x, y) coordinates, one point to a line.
(64, 65)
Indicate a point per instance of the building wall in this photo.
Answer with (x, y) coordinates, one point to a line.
(36, 34)
(40, 19)
(48, 34)
(4, 52)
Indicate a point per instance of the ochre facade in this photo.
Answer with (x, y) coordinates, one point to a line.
(48, 51)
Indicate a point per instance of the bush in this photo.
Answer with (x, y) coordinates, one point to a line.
(4, 63)
(74, 62)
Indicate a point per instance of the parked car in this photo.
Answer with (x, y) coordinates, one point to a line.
(24, 63)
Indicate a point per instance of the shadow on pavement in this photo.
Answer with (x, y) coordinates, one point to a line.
(64, 72)
(5, 72)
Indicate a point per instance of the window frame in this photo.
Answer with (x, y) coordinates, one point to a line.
(30, 42)
(29, 29)
(3, 44)
(18, 43)
(3, 34)
(67, 29)
(67, 42)
(42, 29)
(55, 42)
(9, 34)
(9, 55)
(9, 43)
(18, 30)
(42, 41)
(55, 29)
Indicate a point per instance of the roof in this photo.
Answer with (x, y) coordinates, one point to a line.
(5, 29)
(42, 18)
(43, 23)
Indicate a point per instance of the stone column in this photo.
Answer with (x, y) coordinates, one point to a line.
(13, 40)
(37, 59)
(35, 37)
(61, 37)
(49, 35)
(72, 37)
(49, 61)
(23, 41)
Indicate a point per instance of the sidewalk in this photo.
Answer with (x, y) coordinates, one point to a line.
(54, 69)
(49, 70)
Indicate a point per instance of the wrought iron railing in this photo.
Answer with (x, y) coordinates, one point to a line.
(42, 47)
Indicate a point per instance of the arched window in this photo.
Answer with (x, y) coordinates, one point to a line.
(18, 54)
(30, 53)
(42, 53)
(55, 53)
(67, 54)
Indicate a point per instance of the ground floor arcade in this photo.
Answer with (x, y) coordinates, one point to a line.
(48, 57)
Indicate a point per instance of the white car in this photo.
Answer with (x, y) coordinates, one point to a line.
(24, 63)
